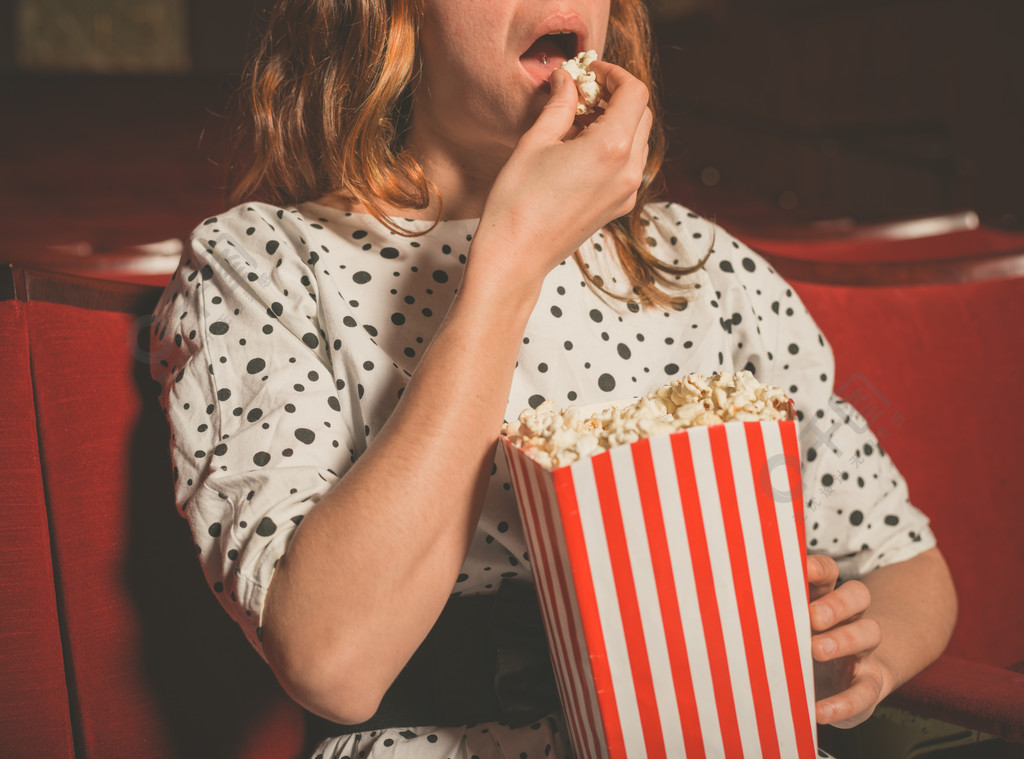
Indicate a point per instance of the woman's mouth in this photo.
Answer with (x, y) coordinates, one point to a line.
(547, 53)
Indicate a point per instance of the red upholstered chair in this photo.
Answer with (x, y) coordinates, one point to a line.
(932, 353)
(35, 716)
(931, 238)
(153, 666)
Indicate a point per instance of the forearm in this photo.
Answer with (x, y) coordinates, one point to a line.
(914, 603)
(371, 566)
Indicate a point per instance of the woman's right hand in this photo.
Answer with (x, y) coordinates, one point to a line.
(562, 183)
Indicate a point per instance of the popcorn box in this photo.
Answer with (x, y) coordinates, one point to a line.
(672, 579)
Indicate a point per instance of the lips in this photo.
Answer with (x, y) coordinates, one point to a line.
(551, 43)
(548, 53)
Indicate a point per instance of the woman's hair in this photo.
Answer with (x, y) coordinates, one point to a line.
(325, 103)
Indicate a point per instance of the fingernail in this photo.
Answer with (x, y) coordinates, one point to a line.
(827, 645)
(557, 81)
(827, 710)
(823, 613)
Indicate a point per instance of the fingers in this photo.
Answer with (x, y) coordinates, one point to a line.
(859, 637)
(628, 97)
(559, 113)
(822, 574)
(845, 602)
(853, 705)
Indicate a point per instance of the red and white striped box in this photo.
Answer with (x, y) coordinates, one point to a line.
(672, 580)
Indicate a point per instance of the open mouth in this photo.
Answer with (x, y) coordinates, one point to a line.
(548, 53)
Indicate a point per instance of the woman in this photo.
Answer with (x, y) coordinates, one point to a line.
(442, 245)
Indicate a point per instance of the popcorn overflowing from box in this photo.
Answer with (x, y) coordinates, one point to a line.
(667, 543)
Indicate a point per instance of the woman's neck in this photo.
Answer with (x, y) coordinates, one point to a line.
(462, 176)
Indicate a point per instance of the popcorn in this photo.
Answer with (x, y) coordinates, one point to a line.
(555, 439)
(586, 81)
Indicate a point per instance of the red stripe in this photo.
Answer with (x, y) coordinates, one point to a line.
(791, 453)
(744, 589)
(543, 576)
(712, 623)
(581, 709)
(629, 607)
(576, 547)
(662, 564)
(780, 590)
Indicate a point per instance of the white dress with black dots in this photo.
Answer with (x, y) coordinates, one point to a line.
(287, 335)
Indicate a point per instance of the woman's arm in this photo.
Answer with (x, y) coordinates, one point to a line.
(874, 634)
(371, 566)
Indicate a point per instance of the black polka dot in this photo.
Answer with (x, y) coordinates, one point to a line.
(266, 527)
(856, 517)
(606, 382)
(304, 435)
(361, 277)
(218, 328)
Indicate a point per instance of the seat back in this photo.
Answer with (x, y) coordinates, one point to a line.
(35, 718)
(154, 666)
(935, 364)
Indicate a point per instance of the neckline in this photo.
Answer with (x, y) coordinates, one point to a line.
(370, 219)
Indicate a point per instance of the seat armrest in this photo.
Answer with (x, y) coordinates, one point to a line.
(971, 694)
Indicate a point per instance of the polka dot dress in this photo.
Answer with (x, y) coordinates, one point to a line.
(288, 335)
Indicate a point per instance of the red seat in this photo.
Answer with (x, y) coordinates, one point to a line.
(936, 368)
(34, 712)
(942, 237)
(154, 666)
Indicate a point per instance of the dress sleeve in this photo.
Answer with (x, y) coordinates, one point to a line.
(857, 504)
(258, 433)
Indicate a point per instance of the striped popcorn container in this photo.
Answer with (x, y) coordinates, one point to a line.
(672, 579)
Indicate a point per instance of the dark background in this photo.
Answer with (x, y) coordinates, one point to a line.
(780, 112)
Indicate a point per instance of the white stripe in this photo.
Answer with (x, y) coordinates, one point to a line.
(686, 592)
(607, 603)
(714, 529)
(647, 598)
(571, 687)
(795, 563)
(568, 610)
(757, 560)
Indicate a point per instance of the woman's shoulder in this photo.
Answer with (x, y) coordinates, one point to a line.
(727, 255)
(251, 219)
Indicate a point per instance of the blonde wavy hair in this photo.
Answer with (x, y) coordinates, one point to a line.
(325, 102)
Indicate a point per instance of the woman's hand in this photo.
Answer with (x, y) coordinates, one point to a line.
(849, 679)
(562, 183)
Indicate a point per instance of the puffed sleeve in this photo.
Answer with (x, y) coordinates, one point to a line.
(254, 406)
(857, 504)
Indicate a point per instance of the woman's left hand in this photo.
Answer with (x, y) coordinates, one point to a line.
(849, 680)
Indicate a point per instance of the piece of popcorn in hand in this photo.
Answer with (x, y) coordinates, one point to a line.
(586, 81)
